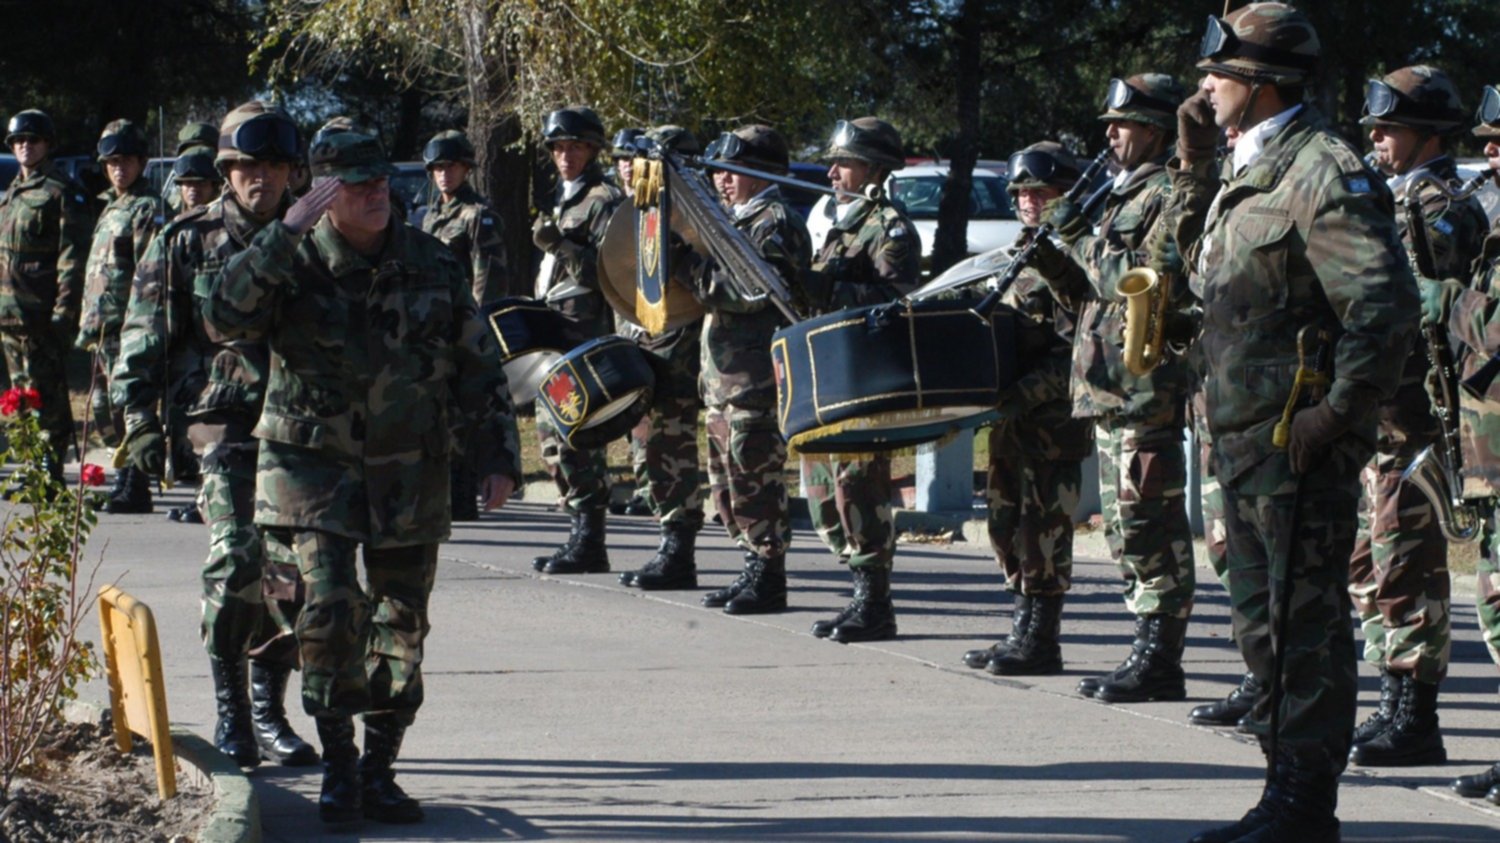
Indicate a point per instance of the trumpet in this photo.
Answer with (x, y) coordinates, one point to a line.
(1146, 297)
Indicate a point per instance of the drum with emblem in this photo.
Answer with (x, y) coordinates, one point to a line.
(532, 337)
(598, 391)
(891, 376)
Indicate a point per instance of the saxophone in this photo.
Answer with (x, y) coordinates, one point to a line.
(1147, 296)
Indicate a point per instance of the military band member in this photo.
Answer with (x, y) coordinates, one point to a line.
(1139, 419)
(124, 230)
(179, 380)
(1299, 267)
(622, 152)
(569, 283)
(1399, 574)
(197, 179)
(194, 137)
(375, 343)
(1037, 447)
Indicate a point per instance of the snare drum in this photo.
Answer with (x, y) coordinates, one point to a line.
(598, 391)
(532, 337)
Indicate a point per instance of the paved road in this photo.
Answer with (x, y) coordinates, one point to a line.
(574, 709)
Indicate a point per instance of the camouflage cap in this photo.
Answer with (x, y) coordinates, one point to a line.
(1420, 96)
(1043, 164)
(30, 122)
(867, 139)
(121, 137)
(447, 147)
(257, 131)
(1150, 98)
(197, 134)
(676, 139)
(1263, 42)
(350, 157)
(576, 122)
(196, 163)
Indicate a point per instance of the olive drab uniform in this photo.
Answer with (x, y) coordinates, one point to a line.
(44, 234)
(468, 227)
(124, 232)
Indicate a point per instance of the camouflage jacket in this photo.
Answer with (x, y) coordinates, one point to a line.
(737, 331)
(121, 237)
(1455, 232)
(873, 255)
(368, 358)
(44, 235)
(466, 225)
(1101, 384)
(168, 349)
(1304, 237)
(1474, 320)
(570, 277)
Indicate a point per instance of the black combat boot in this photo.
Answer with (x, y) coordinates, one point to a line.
(1385, 712)
(872, 617)
(273, 734)
(463, 493)
(1413, 738)
(131, 494)
(721, 597)
(1040, 651)
(1157, 674)
(672, 568)
(575, 527)
(1228, 711)
(1299, 804)
(1019, 618)
(765, 588)
(384, 800)
(339, 798)
(1089, 686)
(185, 514)
(635, 505)
(1478, 784)
(233, 734)
(588, 554)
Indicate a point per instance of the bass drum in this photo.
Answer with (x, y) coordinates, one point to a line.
(598, 391)
(532, 338)
(891, 376)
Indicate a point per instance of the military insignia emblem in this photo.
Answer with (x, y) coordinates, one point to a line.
(564, 395)
(782, 374)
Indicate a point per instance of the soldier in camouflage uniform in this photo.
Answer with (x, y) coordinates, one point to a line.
(569, 283)
(622, 153)
(180, 381)
(1298, 248)
(872, 255)
(1399, 573)
(192, 139)
(1139, 419)
(123, 232)
(377, 355)
(44, 232)
(746, 454)
(196, 179)
(464, 222)
(1037, 448)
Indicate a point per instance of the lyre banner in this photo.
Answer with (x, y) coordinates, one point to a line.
(653, 213)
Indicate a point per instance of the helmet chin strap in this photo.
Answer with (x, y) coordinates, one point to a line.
(1255, 86)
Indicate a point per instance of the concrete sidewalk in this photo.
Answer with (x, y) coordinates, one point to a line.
(573, 708)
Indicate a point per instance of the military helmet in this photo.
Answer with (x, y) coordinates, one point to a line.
(351, 157)
(757, 146)
(623, 145)
(122, 137)
(196, 163)
(257, 131)
(1488, 115)
(1043, 164)
(1150, 98)
(1261, 42)
(197, 134)
(1419, 96)
(448, 147)
(576, 122)
(676, 139)
(30, 122)
(867, 139)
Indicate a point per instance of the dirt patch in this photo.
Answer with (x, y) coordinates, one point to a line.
(84, 790)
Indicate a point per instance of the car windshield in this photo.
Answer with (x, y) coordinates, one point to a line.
(921, 195)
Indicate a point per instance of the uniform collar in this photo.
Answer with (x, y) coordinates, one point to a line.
(756, 203)
(1278, 153)
(341, 258)
(241, 226)
(1253, 142)
(466, 195)
(1441, 167)
(848, 215)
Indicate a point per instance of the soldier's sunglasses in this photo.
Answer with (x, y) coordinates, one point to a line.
(447, 149)
(268, 137)
(1489, 105)
(1122, 94)
(1218, 38)
(565, 124)
(726, 147)
(1381, 99)
(117, 145)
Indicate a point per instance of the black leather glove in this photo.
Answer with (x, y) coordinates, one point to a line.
(545, 234)
(1197, 134)
(1048, 260)
(1066, 218)
(146, 450)
(1313, 430)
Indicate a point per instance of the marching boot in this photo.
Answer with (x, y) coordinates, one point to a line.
(339, 798)
(826, 626)
(185, 514)
(1019, 618)
(575, 526)
(1413, 738)
(635, 505)
(1302, 802)
(1040, 651)
(1385, 712)
(720, 598)
(1089, 686)
(463, 493)
(273, 734)
(383, 800)
(1157, 674)
(588, 554)
(765, 589)
(233, 734)
(672, 568)
(872, 617)
(131, 494)
(1478, 784)
(1228, 711)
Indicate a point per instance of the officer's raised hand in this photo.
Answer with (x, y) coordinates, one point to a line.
(306, 212)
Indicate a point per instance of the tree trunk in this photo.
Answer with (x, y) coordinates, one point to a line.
(407, 146)
(951, 242)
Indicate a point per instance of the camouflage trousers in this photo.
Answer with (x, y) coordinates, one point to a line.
(1319, 678)
(37, 359)
(850, 504)
(581, 476)
(1398, 576)
(361, 647)
(1489, 581)
(249, 605)
(668, 462)
(1215, 542)
(1143, 497)
(1031, 503)
(746, 476)
(106, 421)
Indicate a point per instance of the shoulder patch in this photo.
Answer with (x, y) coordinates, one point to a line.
(1345, 156)
(1443, 226)
(1357, 183)
(897, 230)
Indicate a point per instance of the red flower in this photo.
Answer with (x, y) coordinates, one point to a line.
(91, 475)
(32, 399)
(10, 402)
